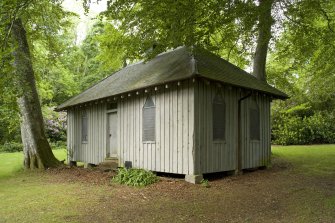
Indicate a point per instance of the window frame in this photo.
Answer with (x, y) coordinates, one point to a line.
(84, 123)
(147, 108)
(253, 136)
(219, 100)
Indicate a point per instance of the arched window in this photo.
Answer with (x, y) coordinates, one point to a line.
(149, 116)
(219, 118)
(254, 120)
(84, 127)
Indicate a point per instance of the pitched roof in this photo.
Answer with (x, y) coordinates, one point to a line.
(178, 64)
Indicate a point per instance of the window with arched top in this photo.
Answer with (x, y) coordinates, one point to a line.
(219, 118)
(84, 127)
(149, 124)
(254, 120)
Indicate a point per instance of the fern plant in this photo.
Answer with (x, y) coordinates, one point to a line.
(135, 177)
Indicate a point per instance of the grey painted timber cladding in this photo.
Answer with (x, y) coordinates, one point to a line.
(214, 155)
(183, 120)
(172, 151)
(256, 153)
(183, 130)
(94, 150)
(221, 155)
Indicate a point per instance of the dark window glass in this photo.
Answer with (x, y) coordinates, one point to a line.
(149, 115)
(111, 106)
(84, 127)
(254, 121)
(219, 118)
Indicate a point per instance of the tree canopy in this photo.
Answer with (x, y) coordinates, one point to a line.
(299, 50)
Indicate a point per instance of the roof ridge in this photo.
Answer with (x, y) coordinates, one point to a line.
(194, 62)
(179, 63)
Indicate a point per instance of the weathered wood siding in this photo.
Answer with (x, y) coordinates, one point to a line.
(214, 156)
(256, 153)
(94, 151)
(172, 151)
(184, 139)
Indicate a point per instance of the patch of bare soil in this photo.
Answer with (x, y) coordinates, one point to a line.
(93, 176)
(277, 194)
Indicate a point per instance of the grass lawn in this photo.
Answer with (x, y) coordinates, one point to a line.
(299, 187)
(312, 160)
(11, 163)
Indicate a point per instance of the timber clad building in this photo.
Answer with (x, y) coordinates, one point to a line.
(186, 111)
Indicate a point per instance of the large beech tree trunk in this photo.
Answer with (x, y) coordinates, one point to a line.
(265, 21)
(37, 151)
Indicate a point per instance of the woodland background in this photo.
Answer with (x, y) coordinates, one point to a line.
(300, 60)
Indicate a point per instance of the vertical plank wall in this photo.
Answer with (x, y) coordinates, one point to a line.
(172, 151)
(94, 151)
(215, 156)
(256, 153)
(184, 142)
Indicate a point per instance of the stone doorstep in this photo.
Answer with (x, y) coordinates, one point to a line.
(112, 158)
(110, 164)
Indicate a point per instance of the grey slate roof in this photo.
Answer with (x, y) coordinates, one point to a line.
(178, 64)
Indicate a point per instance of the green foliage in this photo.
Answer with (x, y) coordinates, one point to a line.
(58, 145)
(93, 60)
(205, 183)
(290, 129)
(302, 64)
(112, 44)
(49, 32)
(11, 147)
(224, 27)
(9, 121)
(135, 177)
(55, 124)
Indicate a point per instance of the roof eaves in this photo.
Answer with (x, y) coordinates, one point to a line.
(59, 108)
(282, 96)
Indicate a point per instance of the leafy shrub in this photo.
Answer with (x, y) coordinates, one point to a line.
(291, 129)
(11, 147)
(135, 177)
(205, 183)
(58, 145)
(55, 124)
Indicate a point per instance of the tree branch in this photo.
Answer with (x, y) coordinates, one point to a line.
(12, 17)
(231, 49)
(327, 18)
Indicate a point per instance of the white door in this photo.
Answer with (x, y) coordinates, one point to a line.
(112, 134)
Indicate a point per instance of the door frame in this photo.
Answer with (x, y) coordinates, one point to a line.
(108, 113)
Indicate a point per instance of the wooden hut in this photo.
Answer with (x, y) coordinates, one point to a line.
(186, 111)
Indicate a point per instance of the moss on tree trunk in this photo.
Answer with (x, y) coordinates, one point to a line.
(37, 151)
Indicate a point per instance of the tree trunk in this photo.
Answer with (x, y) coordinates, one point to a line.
(37, 151)
(265, 21)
